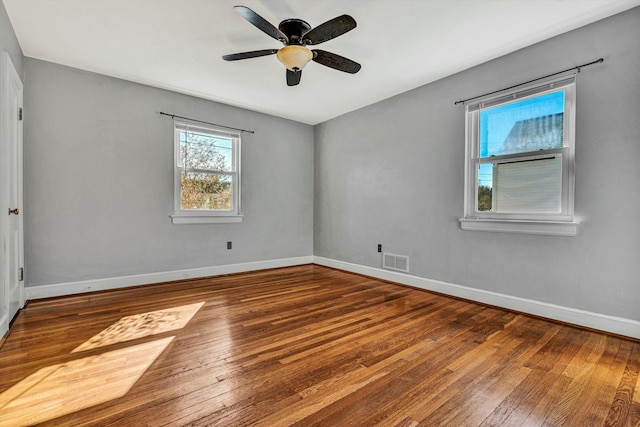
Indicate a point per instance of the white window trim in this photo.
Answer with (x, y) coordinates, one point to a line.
(204, 219)
(564, 224)
(181, 216)
(549, 228)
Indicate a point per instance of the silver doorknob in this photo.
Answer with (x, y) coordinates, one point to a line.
(14, 211)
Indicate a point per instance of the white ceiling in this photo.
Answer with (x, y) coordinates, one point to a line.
(401, 44)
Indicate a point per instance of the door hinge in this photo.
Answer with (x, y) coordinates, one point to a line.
(21, 274)
(19, 113)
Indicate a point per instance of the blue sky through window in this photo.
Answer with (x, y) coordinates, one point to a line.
(496, 123)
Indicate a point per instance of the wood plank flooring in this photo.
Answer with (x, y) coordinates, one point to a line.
(306, 346)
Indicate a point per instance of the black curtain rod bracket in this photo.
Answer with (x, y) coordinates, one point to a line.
(577, 68)
(173, 116)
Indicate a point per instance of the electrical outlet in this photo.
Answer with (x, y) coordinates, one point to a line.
(379, 247)
(229, 245)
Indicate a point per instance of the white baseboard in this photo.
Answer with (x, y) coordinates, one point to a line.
(4, 325)
(602, 322)
(70, 288)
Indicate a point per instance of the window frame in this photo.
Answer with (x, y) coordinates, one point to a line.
(204, 216)
(562, 223)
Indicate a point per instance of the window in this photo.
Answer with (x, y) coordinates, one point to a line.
(206, 174)
(520, 161)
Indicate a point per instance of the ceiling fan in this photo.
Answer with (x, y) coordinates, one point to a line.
(296, 35)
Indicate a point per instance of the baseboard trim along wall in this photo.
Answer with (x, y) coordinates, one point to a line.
(70, 288)
(4, 326)
(602, 322)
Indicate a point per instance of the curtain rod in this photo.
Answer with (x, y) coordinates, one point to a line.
(578, 68)
(173, 116)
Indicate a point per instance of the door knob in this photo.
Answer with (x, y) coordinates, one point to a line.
(14, 211)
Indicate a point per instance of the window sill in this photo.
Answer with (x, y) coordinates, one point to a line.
(204, 219)
(549, 228)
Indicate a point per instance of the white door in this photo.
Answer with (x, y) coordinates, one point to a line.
(11, 187)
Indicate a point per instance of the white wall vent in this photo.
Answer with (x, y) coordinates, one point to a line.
(395, 262)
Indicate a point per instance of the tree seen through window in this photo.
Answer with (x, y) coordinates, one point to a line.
(205, 180)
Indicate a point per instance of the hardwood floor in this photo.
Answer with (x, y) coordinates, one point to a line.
(306, 346)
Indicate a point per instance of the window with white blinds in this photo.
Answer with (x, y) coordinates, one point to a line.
(529, 185)
(520, 154)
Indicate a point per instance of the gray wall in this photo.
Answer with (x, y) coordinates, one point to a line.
(392, 173)
(99, 181)
(9, 41)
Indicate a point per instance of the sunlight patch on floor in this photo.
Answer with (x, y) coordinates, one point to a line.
(142, 325)
(64, 388)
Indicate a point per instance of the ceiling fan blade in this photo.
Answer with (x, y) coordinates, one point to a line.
(293, 77)
(335, 61)
(329, 30)
(261, 23)
(247, 55)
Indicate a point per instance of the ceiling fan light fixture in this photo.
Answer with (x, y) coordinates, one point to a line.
(296, 35)
(294, 57)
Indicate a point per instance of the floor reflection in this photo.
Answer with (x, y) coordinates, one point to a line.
(142, 325)
(64, 388)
